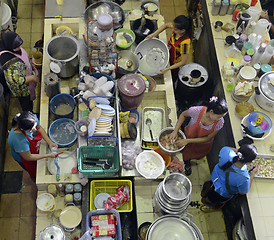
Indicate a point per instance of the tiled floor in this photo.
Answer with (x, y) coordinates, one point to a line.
(18, 211)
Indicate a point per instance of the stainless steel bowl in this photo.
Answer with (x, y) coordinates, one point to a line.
(164, 132)
(127, 62)
(177, 186)
(95, 9)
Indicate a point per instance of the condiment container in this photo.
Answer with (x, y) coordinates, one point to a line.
(247, 45)
(68, 198)
(52, 189)
(224, 7)
(77, 198)
(69, 188)
(77, 188)
(216, 7)
(264, 69)
(246, 60)
(250, 52)
(61, 189)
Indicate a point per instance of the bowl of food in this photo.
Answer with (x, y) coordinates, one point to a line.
(166, 145)
(243, 108)
(124, 38)
(150, 164)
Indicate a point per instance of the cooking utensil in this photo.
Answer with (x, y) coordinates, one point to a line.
(70, 217)
(52, 232)
(148, 123)
(104, 163)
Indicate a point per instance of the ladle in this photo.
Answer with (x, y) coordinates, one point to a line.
(148, 123)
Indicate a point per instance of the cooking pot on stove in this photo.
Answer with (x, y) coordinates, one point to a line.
(265, 92)
(192, 79)
(63, 51)
(52, 232)
(173, 227)
(142, 27)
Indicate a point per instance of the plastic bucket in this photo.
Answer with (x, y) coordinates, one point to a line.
(258, 122)
(62, 105)
(63, 133)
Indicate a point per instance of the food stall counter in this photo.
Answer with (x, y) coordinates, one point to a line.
(261, 193)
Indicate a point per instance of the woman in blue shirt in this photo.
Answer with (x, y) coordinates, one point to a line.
(230, 176)
(24, 140)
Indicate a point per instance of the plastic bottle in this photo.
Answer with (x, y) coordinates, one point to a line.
(77, 188)
(68, 198)
(52, 189)
(257, 56)
(267, 55)
(216, 7)
(239, 44)
(231, 7)
(246, 60)
(240, 29)
(224, 7)
(69, 188)
(77, 198)
(247, 45)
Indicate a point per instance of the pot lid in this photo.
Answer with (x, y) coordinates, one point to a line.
(266, 85)
(193, 75)
(131, 85)
(170, 227)
(70, 217)
(52, 232)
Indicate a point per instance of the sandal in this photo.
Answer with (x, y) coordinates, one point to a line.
(188, 169)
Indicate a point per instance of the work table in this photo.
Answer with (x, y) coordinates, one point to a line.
(261, 195)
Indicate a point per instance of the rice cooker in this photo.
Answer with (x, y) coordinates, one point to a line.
(265, 92)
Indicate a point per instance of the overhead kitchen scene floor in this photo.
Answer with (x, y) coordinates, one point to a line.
(18, 210)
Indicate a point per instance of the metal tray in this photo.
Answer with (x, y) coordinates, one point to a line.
(266, 166)
(145, 136)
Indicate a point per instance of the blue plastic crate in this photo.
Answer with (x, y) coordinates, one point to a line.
(106, 212)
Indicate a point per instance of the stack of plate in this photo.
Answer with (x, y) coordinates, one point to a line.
(100, 117)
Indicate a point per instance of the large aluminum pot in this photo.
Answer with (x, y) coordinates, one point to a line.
(63, 51)
(52, 232)
(163, 133)
(173, 227)
(265, 92)
(95, 9)
(153, 55)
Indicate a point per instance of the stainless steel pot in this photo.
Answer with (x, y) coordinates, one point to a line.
(127, 63)
(63, 51)
(173, 227)
(153, 55)
(265, 92)
(95, 9)
(52, 232)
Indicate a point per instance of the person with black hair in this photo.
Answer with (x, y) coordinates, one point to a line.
(206, 121)
(24, 140)
(20, 75)
(230, 176)
(179, 43)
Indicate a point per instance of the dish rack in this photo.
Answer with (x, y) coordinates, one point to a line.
(106, 212)
(113, 104)
(110, 186)
(97, 153)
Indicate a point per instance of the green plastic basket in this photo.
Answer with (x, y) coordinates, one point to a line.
(98, 152)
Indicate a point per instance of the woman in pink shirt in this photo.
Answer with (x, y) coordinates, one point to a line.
(205, 123)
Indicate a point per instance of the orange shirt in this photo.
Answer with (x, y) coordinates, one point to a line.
(182, 48)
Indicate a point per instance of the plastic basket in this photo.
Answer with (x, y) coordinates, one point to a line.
(98, 152)
(252, 117)
(106, 212)
(110, 186)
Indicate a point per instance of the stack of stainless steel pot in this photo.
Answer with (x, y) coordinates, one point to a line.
(173, 194)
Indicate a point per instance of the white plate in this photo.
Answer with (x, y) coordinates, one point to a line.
(65, 162)
(106, 107)
(70, 217)
(104, 119)
(91, 127)
(99, 199)
(102, 133)
(102, 100)
(45, 202)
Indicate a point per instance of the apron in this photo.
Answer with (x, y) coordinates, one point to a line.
(34, 146)
(197, 150)
(29, 68)
(172, 56)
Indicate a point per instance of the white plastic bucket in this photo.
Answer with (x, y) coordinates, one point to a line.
(6, 17)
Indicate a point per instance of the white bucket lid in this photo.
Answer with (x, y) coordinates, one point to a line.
(6, 15)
